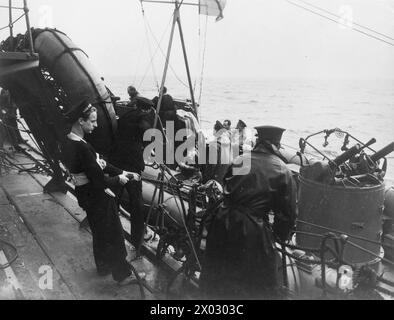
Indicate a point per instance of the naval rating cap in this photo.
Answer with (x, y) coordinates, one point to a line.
(240, 125)
(78, 111)
(270, 133)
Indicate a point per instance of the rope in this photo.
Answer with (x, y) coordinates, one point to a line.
(335, 15)
(163, 53)
(338, 22)
(13, 259)
(149, 46)
(345, 233)
(10, 25)
(203, 63)
(157, 43)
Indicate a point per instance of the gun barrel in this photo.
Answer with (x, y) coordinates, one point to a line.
(347, 154)
(383, 152)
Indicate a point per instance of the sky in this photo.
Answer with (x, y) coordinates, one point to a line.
(256, 38)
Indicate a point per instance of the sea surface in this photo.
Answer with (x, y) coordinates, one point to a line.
(364, 108)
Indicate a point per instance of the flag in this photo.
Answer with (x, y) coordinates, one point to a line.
(212, 8)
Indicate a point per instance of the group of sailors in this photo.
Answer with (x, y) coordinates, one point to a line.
(240, 257)
(259, 206)
(238, 136)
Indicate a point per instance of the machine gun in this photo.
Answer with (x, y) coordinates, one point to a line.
(354, 167)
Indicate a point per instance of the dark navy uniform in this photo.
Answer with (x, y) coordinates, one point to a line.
(167, 108)
(128, 155)
(240, 260)
(101, 208)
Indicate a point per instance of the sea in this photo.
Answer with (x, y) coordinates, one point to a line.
(362, 107)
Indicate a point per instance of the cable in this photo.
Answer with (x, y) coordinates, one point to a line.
(149, 47)
(164, 55)
(338, 22)
(13, 259)
(157, 43)
(203, 64)
(335, 15)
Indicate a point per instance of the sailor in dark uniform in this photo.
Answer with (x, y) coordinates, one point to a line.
(128, 154)
(92, 189)
(240, 260)
(167, 107)
(133, 94)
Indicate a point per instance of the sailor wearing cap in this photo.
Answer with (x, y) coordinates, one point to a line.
(241, 260)
(127, 153)
(239, 136)
(94, 196)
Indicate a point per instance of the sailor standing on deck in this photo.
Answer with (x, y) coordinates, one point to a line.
(127, 154)
(94, 196)
(167, 108)
(240, 261)
(133, 94)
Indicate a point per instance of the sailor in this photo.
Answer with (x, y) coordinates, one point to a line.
(167, 107)
(240, 260)
(217, 127)
(239, 136)
(92, 188)
(227, 124)
(133, 93)
(217, 155)
(128, 154)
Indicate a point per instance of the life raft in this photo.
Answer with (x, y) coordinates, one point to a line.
(73, 74)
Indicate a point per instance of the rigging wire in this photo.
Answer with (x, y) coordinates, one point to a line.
(10, 25)
(199, 51)
(335, 15)
(149, 46)
(203, 64)
(339, 22)
(162, 52)
(157, 48)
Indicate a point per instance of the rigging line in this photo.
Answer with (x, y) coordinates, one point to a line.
(338, 22)
(164, 55)
(150, 51)
(199, 51)
(157, 48)
(203, 62)
(13, 22)
(335, 15)
(161, 50)
(16, 20)
(295, 149)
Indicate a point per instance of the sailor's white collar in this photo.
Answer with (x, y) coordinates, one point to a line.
(74, 137)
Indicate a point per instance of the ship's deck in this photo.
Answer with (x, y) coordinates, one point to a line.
(45, 230)
(54, 254)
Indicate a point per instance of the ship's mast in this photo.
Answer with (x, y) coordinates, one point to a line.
(26, 10)
(175, 22)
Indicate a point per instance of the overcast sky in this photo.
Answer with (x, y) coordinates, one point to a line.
(256, 38)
